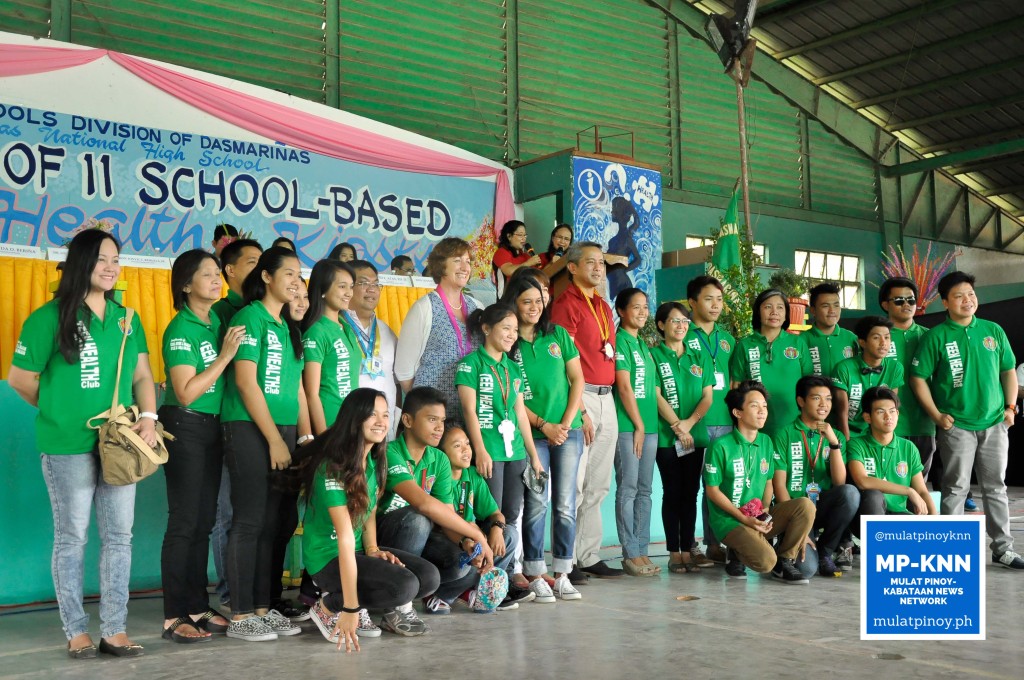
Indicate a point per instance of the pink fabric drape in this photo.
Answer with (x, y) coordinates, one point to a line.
(274, 121)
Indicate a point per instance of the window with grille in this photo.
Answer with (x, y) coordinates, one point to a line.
(846, 271)
(698, 241)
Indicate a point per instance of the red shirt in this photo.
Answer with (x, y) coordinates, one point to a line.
(571, 311)
(503, 256)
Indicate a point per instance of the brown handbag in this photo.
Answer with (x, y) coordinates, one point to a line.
(124, 456)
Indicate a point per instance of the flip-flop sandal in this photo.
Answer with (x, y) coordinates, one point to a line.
(170, 632)
(206, 622)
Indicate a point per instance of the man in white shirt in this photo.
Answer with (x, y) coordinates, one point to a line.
(376, 340)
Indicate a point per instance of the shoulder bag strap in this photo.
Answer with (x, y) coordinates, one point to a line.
(129, 313)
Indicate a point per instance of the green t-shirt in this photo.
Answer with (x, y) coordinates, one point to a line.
(850, 377)
(545, 381)
(826, 351)
(740, 469)
(778, 366)
(718, 349)
(897, 463)
(433, 474)
(797, 448)
(226, 308)
(268, 344)
(913, 420)
(70, 394)
(319, 540)
(962, 365)
(472, 498)
(633, 355)
(188, 341)
(682, 379)
(498, 385)
(334, 346)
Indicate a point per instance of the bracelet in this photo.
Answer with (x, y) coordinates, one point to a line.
(351, 610)
(371, 549)
(305, 438)
(583, 412)
(541, 423)
(149, 414)
(500, 525)
(835, 447)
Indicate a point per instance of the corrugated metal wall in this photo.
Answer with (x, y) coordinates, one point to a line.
(436, 68)
(453, 70)
(594, 63)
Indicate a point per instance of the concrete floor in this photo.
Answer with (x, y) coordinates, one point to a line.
(624, 628)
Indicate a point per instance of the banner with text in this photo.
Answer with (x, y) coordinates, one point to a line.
(922, 578)
(163, 191)
(619, 206)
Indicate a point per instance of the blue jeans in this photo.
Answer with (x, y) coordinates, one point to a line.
(444, 554)
(219, 536)
(75, 484)
(405, 529)
(563, 463)
(714, 432)
(634, 478)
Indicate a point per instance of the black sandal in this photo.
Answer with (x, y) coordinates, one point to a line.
(170, 632)
(120, 650)
(87, 652)
(206, 622)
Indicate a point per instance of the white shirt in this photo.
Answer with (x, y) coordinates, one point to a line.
(385, 383)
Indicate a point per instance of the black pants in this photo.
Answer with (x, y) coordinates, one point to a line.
(380, 584)
(288, 519)
(506, 485)
(256, 505)
(193, 474)
(680, 482)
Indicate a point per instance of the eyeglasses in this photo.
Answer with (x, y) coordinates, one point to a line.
(679, 322)
(900, 301)
(368, 285)
(519, 234)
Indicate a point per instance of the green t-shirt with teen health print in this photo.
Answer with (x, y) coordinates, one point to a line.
(498, 385)
(70, 394)
(545, 381)
(319, 539)
(633, 356)
(741, 470)
(190, 341)
(334, 346)
(778, 365)
(268, 344)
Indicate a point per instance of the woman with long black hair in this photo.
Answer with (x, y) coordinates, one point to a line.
(345, 474)
(195, 358)
(263, 411)
(65, 363)
(513, 253)
(331, 349)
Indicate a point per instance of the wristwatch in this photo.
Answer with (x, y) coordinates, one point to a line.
(1011, 407)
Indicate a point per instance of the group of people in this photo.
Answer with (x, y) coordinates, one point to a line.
(410, 460)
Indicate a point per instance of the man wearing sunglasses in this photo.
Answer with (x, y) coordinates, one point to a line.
(898, 297)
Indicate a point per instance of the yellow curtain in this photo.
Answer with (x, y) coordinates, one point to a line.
(25, 285)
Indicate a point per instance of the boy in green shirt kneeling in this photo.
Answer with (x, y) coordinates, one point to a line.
(740, 465)
(886, 468)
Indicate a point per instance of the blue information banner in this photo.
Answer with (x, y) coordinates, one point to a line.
(619, 206)
(922, 578)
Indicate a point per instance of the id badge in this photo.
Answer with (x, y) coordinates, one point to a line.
(719, 380)
(608, 350)
(507, 430)
(813, 491)
(376, 366)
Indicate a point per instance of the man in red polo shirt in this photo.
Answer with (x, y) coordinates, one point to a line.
(588, 318)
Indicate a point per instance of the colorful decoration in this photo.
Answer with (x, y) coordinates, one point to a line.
(924, 271)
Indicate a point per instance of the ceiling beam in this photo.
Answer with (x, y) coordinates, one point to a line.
(1001, 191)
(968, 142)
(780, 9)
(927, 8)
(980, 107)
(958, 158)
(985, 33)
(938, 83)
(987, 164)
(844, 122)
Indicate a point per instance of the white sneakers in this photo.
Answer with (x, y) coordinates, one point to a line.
(542, 590)
(564, 590)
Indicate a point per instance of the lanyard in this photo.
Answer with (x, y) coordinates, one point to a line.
(463, 493)
(603, 324)
(462, 341)
(503, 388)
(712, 347)
(371, 339)
(807, 450)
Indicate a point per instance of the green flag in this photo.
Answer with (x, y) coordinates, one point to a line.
(727, 247)
(726, 254)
